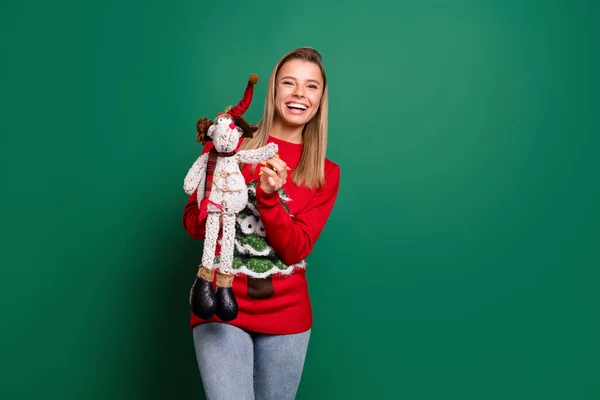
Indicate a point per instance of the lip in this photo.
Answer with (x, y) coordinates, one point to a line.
(296, 111)
(297, 102)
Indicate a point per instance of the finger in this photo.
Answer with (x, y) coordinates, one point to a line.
(268, 171)
(269, 164)
(271, 178)
(284, 163)
(280, 176)
(283, 174)
(277, 163)
(273, 163)
(280, 167)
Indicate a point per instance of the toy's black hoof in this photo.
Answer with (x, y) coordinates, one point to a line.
(227, 307)
(203, 299)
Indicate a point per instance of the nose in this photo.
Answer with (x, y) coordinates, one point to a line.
(299, 92)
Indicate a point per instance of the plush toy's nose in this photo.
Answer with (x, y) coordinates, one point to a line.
(232, 125)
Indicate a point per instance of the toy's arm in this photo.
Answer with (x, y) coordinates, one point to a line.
(258, 155)
(195, 176)
(193, 226)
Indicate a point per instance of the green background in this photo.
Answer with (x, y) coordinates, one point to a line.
(461, 259)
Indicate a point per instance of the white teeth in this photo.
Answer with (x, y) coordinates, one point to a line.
(296, 105)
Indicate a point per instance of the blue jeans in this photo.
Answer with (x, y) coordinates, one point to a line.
(239, 365)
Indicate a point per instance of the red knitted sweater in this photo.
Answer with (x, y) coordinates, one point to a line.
(291, 231)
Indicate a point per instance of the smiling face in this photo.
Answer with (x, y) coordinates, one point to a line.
(298, 92)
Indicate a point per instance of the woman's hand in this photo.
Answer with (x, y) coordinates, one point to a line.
(273, 175)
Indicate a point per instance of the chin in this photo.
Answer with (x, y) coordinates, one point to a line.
(295, 122)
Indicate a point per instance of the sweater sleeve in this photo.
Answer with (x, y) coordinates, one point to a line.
(196, 229)
(293, 238)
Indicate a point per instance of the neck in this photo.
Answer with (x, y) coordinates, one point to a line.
(223, 153)
(292, 134)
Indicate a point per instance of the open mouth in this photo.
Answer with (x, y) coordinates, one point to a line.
(296, 108)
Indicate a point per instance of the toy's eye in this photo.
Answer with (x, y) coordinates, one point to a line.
(247, 225)
(220, 119)
(260, 229)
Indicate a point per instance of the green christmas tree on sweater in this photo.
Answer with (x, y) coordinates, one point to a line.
(252, 254)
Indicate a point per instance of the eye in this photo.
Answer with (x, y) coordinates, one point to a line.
(313, 86)
(287, 83)
(260, 229)
(220, 119)
(248, 225)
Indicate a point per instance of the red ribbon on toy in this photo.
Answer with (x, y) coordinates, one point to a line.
(204, 208)
(210, 170)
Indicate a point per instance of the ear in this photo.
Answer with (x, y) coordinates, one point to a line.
(210, 131)
(202, 126)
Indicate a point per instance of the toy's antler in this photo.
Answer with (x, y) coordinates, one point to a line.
(247, 129)
(202, 127)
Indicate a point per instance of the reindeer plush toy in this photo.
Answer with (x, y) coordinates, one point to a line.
(222, 194)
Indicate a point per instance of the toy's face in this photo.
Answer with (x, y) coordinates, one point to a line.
(225, 135)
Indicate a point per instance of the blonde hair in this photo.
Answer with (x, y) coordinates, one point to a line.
(310, 170)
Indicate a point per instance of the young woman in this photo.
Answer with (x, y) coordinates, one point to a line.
(260, 354)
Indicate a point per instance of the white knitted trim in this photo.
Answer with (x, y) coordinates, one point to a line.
(249, 250)
(243, 270)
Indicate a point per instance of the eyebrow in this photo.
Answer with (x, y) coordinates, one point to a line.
(291, 77)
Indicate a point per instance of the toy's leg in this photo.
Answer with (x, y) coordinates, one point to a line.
(210, 242)
(227, 307)
(202, 296)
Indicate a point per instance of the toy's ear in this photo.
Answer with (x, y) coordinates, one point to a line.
(203, 126)
(210, 131)
(247, 129)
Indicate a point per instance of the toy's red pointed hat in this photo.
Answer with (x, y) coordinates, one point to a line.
(243, 105)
